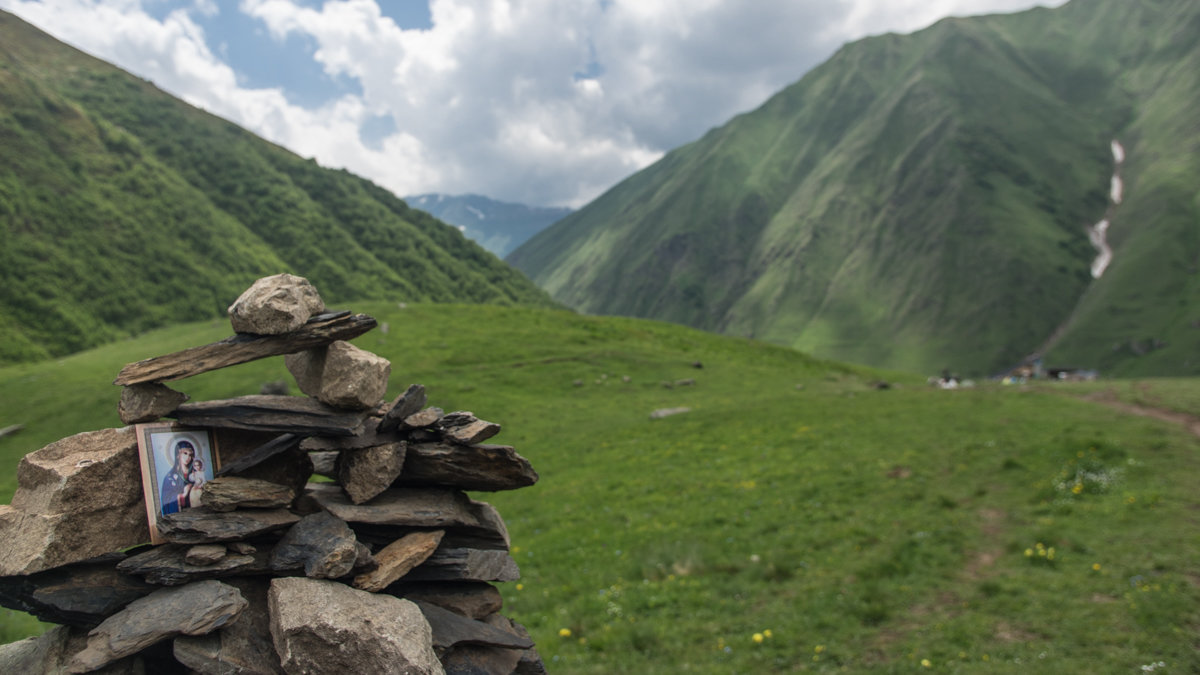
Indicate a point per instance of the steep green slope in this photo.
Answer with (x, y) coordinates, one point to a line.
(122, 208)
(917, 201)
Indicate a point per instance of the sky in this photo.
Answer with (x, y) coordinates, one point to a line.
(542, 102)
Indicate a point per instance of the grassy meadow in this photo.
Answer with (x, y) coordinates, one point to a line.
(798, 518)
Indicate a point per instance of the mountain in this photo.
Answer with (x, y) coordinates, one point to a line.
(923, 202)
(123, 208)
(497, 226)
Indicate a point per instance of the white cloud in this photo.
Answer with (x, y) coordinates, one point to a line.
(539, 101)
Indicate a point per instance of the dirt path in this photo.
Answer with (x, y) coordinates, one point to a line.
(1109, 399)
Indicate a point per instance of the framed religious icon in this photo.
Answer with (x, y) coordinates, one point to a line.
(176, 463)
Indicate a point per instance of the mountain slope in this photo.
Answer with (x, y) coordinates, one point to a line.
(916, 201)
(497, 226)
(122, 208)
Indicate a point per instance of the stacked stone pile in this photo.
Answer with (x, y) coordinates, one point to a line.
(383, 566)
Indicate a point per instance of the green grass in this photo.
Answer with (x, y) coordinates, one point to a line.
(865, 529)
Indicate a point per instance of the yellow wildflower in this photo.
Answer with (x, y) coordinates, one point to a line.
(758, 638)
(564, 632)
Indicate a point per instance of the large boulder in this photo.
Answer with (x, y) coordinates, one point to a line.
(341, 375)
(77, 498)
(324, 627)
(275, 305)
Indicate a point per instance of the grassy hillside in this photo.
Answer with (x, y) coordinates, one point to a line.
(851, 528)
(122, 209)
(920, 201)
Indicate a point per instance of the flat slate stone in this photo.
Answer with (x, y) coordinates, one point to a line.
(201, 525)
(228, 493)
(167, 565)
(450, 629)
(425, 418)
(487, 468)
(439, 508)
(472, 599)
(78, 595)
(193, 609)
(205, 554)
(397, 559)
(244, 347)
(463, 427)
(322, 627)
(466, 564)
(283, 414)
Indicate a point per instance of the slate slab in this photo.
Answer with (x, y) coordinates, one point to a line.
(193, 609)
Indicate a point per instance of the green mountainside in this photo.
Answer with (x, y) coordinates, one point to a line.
(123, 208)
(922, 202)
(498, 226)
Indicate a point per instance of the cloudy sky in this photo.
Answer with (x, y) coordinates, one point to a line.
(546, 102)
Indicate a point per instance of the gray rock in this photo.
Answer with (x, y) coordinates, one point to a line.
(280, 414)
(83, 594)
(325, 462)
(408, 403)
(205, 554)
(465, 428)
(364, 474)
(425, 418)
(469, 659)
(291, 468)
(472, 599)
(324, 627)
(275, 305)
(168, 566)
(667, 412)
(228, 493)
(322, 544)
(341, 375)
(48, 654)
(201, 525)
(466, 564)
(399, 558)
(148, 401)
(241, 647)
(76, 499)
(418, 508)
(450, 629)
(194, 609)
(466, 467)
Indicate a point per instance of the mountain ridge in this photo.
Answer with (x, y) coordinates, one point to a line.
(917, 201)
(123, 208)
(496, 225)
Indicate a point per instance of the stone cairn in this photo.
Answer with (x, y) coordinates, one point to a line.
(385, 568)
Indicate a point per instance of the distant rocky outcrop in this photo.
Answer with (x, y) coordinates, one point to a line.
(382, 565)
